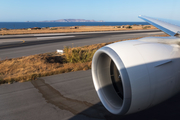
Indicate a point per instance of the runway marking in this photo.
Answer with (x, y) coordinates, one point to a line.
(47, 34)
(54, 37)
(23, 41)
(144, 33)
(120, 31)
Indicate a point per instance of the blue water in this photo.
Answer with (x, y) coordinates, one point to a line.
(20, 25)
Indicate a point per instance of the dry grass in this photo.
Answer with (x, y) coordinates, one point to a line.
(31, 67)
(78, 55)
(34, 66)
(72, 29)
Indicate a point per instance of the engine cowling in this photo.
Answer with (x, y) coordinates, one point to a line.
(131, 76)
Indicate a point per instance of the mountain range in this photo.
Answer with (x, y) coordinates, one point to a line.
(72, 20)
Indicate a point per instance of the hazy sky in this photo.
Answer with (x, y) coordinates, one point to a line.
(107, 10)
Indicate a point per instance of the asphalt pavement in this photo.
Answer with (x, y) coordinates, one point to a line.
(69, 96)
(13, 46)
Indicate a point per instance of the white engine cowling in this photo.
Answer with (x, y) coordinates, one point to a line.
(131, 76)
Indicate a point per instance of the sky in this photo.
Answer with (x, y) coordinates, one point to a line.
(107, 10)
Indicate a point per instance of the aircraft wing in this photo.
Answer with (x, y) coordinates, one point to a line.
(171, 29)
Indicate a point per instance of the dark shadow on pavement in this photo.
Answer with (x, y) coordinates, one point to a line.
(168, 110)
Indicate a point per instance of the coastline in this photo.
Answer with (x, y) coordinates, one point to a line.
(25, 25)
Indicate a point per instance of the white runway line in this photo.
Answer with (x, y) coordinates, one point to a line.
(47, 34)
(148, 33)
(120, 31)
(55, 37)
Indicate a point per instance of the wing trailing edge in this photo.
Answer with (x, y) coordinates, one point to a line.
(169, 28)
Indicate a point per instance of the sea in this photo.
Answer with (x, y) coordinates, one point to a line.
(21, 25)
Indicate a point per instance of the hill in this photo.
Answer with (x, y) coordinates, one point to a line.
(72, 20)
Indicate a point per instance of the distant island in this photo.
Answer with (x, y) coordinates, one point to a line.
(70, 20)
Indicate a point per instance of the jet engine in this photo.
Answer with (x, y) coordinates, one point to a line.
(134, 75)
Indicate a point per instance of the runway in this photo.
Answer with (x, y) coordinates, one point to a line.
(12, 46)
(69, 96)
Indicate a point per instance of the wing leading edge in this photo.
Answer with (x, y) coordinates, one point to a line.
(166, 27)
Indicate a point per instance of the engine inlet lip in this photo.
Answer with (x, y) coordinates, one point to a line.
(124, 76)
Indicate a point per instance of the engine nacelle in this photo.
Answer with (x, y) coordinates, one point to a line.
(131, 76)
